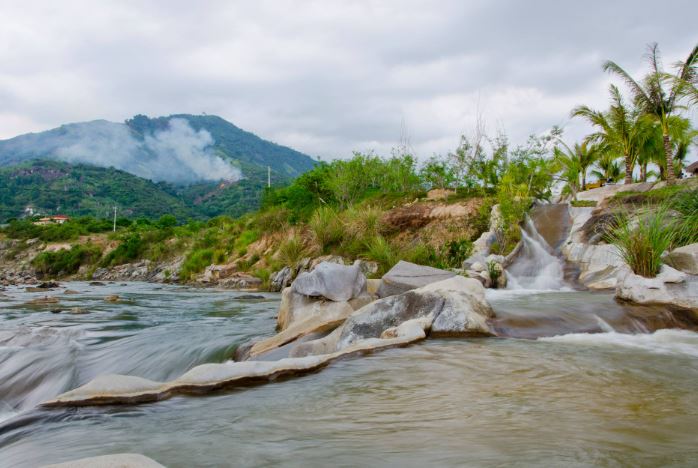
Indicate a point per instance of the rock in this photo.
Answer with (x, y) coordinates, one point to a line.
(112, 298)
(296, 307)
(241, 281)
(335, 282)
(249, 297)
(117, 460)
(48, 285)
(405, 276)
(439, 194)
(281, 279)
(670, 287)
(462, 300)
(56, 311)
(78, 311)
(96, 283)
(478, 267)
(44, 300)
(70, 291)
(215, 273)
(598, 264)
(33, 289)
(684, 259)
(372, 286)
(367, 267)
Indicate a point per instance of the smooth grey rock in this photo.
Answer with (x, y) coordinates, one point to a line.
(406, 276)
(297, 307)
(117, 460)
(281, 279)
(684, 258)
(332, 281)
(669, 287)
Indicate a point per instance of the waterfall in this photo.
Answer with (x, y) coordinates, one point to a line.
(536, 266)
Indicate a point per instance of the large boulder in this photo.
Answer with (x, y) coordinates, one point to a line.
(455, 306)
(406, 276)
(670, 287)
(332, 281)
(684, 258)
(297, 307)
(598, 263)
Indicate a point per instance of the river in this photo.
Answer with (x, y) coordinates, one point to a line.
(582, 381)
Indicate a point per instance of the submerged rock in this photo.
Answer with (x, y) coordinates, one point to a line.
(332, 281)
(117, 460)
(112, 298)
(405, 276)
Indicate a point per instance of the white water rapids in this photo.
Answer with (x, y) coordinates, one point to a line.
(536, 267)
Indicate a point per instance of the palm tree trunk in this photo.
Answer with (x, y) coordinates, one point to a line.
(643, 172)
(628, 170)
(584, 180)
(670, 177)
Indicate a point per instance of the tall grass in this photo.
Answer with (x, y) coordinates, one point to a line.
(292, 250)
(380, 251)
(326, 227)
(642, 243)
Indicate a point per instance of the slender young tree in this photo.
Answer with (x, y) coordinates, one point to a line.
(659, 93)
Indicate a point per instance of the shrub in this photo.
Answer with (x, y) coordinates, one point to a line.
(272, 220)
(195, 262)
(130, 249)
(641, 244)
(456, 252)
(65, 262)
(493, 271)
(244, 240)
(326, 227)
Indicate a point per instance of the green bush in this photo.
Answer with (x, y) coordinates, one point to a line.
(379, 250)
(457, 251)
(130, 249)
(195, 262)
(65, 262)
(642, 243)
(583, 203)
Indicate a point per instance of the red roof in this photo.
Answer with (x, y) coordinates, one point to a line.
(60, 217)
(692, 167)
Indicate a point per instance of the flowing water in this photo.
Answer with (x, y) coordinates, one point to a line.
(569, 398)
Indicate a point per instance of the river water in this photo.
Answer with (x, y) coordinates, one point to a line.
(581, 381)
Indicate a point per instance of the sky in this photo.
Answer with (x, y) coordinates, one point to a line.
(329, 77)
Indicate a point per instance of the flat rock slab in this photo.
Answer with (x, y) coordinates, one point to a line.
(117, 460)
(684, 259)
(405, 276)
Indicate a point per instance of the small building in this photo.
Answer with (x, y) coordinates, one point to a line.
(57, 219)
(692, 169)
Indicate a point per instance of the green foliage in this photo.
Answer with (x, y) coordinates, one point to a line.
(64, 261)
(583, 203)
(167, 220)
(493, 272)
(245, 239)
(438, 173)
(642, 243)
(129, 250)
(326, 227)
(292, 250)
(457, 251)
(195, 262)
(379, 250)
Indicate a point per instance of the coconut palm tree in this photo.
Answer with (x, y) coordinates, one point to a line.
(608, 168)
(575, 163)
(659, 93)
(621, 129)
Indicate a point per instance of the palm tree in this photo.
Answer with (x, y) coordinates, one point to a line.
(620, 129)
(659, 93)
(575, 162)
(609, 169)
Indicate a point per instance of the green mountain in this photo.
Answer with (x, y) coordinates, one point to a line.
(188, 165)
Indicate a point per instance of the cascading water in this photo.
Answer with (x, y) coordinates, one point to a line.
(536, 267)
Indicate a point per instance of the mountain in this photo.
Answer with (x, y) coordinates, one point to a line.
(52, 187)
(207, 165)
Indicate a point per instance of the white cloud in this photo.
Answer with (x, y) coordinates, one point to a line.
(326, 77)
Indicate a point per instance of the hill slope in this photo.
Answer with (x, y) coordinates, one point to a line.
(181, 156)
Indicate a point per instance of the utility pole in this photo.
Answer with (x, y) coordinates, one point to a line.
(114, 218)
(268, 176)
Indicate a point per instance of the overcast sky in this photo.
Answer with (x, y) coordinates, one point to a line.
(328, 77)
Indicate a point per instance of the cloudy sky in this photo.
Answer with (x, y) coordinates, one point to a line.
(328, 77)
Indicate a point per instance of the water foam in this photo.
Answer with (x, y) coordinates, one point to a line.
(666, 341)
